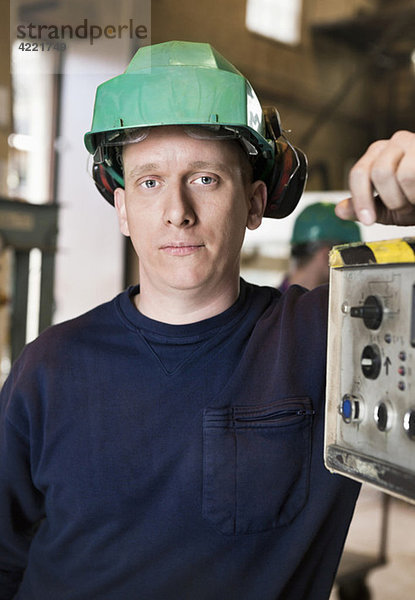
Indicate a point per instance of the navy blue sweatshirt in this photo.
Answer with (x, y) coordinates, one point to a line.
(146, 461)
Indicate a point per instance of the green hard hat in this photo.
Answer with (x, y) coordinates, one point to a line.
(178, 83)
(319, 223)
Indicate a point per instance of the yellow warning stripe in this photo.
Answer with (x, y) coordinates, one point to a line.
(366, 253)
(392, 251)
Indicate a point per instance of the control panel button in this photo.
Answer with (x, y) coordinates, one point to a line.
(351, 408)
(370, 361)
(383, 416)
(371, 312)
(409, 423)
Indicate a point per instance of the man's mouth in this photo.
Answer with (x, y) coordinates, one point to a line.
(181, 248)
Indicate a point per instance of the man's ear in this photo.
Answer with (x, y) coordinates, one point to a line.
(257, 204)
(323, 255)
(119, 203)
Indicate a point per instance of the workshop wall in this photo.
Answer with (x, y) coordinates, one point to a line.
(5, 93)
(5, 130)
(330, 91)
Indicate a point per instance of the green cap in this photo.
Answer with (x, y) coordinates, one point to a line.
(319, 223)
(178, 83)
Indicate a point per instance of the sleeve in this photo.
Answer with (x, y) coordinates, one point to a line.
(21, 506)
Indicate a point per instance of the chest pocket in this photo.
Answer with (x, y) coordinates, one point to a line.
(256, 465)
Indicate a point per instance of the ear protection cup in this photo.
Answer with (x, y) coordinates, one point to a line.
(287, 179)
(286, 182)
(104, 183)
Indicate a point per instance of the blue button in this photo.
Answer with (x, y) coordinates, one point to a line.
(347, 409)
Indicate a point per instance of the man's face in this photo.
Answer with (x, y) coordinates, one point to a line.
(186, 205)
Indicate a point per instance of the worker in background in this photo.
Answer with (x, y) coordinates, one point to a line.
(316, 230)
(168, 444)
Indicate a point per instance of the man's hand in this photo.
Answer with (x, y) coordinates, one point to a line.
(382, 183)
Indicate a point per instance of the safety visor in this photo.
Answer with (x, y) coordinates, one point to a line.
(116, 139)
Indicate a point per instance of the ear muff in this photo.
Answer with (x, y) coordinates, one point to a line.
(287, 179)
(104, 183)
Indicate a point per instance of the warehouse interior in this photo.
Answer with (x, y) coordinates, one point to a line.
(341, 74)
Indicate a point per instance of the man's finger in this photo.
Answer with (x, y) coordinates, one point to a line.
(344, 210)
(361, 185)
(406, 171)
(386, 170)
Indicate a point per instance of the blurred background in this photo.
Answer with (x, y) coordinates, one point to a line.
(341, 74)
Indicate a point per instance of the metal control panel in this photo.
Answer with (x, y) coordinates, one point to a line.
(370, 409)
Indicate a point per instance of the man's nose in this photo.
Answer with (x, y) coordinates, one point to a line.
(179, 210)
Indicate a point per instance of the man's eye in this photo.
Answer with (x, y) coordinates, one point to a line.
(205, 180)
(149, 183)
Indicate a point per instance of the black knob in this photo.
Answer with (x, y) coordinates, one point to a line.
(370, 361)
(371, 312)
(409, 423)
(382, 416)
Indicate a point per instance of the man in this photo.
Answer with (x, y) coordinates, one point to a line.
(168, 444)
(316, 230)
